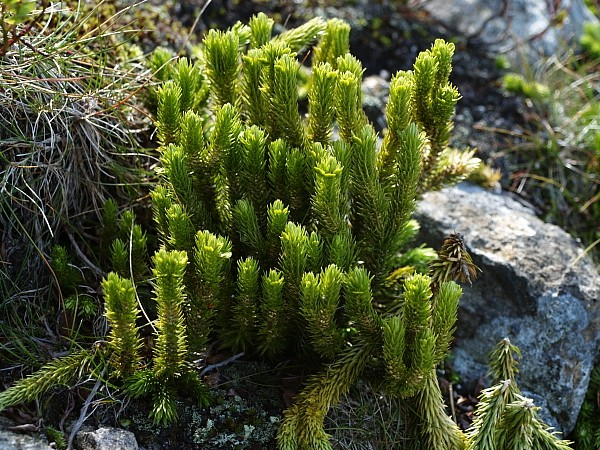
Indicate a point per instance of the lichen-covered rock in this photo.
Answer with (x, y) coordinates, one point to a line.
(106, 439)
(535, 289)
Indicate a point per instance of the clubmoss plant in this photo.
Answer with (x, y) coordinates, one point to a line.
(315, 225)
(164, 375)
(122, 312)
(504, 417)
(64, 372)
(284, 235)
(171, 372)
(518, 84)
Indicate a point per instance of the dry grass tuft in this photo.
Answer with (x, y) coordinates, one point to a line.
(72, 129)
(69, 124)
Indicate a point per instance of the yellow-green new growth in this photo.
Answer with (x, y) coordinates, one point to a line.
(169, 112)
(320, 300)
(272, 332)
(245, 307)
(221, 51)
(334, 43)
(320, 103)
(260, 30)
(170, 351)
(122, 312)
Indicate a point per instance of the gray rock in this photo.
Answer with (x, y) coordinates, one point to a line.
(515, 26)
(534, 289)
(106, 439)
(14, 441)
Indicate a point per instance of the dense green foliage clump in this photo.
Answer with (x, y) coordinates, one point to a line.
(295, 234)
(286, 231)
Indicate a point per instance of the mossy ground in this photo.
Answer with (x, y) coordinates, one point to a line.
(245, 413)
